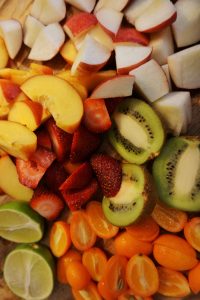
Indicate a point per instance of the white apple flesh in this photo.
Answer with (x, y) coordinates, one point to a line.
(31, 29)
(84, 5)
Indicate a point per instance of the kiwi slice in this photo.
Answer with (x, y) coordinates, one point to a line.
(177, 173)
(137, 133)
(135, 198)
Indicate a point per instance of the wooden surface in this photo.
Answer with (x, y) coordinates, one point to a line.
(19, 9)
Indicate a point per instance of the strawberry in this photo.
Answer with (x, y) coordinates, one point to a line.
(96, 117)
(76, 198)
(47, 204)
(31, 171)
(61, 140)
(43, 138)
(109, 173)
(84, 143)
(55, 176)
(79, 178)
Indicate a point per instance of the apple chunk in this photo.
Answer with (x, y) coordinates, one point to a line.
(136, 8)
(11, 32)
(130, 56)
(186, 28)
(118, 5)
(85, 5)
(118, 86)
(31, 29)
(184, 68)
(159, 15)
(91, 57)
(48, 11)
(175, 110)
(26, 112)
(17, 140)
(130, 35)
(9, 181)
(59, 97)
(151, 81)
(48, 43)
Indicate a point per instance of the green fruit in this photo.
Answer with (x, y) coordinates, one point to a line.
(135, 198)
(137, 133)
(20, 223)
(177, 173)
(29, 271)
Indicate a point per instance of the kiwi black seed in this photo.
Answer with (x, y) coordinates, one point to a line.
(177, 173)
(135, 198)
(137, 133)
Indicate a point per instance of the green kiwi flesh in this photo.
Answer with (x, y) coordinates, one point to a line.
(177, 173)
(135, 198)
(137, 133)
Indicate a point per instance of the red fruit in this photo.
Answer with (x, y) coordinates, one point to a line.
(109, 173)
(31, 171)
(84, 143)
(55, 176)
(112, 103)
(43, 139)
(47, 204)
(130, 34)
(96, 117)
(75, 199)
(61, 140)
(79, 178)
(9, 89)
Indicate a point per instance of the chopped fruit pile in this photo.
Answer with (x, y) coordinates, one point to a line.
(94, 142)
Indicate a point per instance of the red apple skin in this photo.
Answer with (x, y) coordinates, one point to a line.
(9, 89)
(126, 70)
(79, 23)
(130, 34)
(87, 68)
(162, 25)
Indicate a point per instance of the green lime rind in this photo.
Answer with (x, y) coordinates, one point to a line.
(20, 223)
(29, 271)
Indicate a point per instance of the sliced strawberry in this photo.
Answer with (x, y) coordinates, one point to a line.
(75, 199)
(55, 176)
(84, 143)
(47, 204)
(109, 173)
(79, 178)
(70, 167)
(43, 138)
(96, 117)
(60, 139)
(31, 171)
(112, 103)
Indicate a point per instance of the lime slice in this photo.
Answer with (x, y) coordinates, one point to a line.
(20, 223)
(29, 271)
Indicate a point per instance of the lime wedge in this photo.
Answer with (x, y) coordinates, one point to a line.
(29, 271)
(20, 223)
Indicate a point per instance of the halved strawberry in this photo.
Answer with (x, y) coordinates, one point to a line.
(55, 176)
(31, 171)
(79, 178)
(109, 173)
(96, 117)
(76, 198)
(84, 143)
(61, 140)
(47, 204)
(43, 138)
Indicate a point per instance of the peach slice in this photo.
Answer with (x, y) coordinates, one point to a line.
(4, 110)
(15, 75)
(17, 140)
(27, 113)
(3, 54)
(118, 86)
(59, 97)
(8, 92)
(9, 181)
(48, 11)
(69, 52)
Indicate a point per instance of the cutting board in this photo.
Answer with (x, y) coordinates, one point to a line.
(18, 9)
